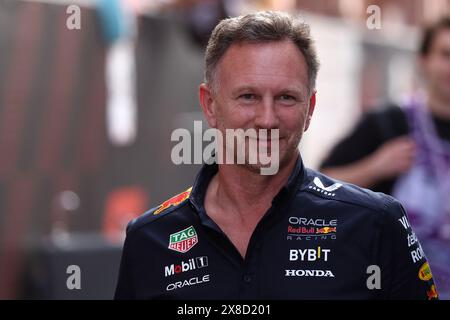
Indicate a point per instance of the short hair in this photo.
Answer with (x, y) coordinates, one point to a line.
(263, 26)
(430, 33)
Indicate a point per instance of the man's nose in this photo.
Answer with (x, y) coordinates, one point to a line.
(266, 116)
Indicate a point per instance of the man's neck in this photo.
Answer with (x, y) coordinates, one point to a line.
(439, 105)
(247, 194)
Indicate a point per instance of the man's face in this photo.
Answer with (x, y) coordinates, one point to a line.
(262, 86)
(437, 64)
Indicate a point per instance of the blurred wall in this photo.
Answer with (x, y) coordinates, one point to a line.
(52, 127)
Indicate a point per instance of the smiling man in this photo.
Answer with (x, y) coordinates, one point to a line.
(295, 234)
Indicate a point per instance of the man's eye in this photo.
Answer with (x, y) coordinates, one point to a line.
(248, 96)
(287, 97)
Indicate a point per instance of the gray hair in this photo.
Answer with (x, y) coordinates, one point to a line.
(260, 27)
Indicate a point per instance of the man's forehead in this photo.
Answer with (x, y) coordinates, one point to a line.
(239, 51)
(279, 61)
(255, 83)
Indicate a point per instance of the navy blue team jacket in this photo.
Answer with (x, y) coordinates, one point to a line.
(321, 239)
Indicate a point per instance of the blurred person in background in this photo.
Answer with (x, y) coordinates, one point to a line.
(405, 151)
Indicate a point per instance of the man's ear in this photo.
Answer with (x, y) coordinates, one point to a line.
(208, 105)
(312, 106)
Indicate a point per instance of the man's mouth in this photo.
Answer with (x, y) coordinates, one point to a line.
(264, 139)
(264, 142)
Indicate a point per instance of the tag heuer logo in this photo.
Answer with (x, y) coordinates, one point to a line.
(182, 241)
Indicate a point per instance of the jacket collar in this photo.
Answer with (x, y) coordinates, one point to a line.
(207, 172)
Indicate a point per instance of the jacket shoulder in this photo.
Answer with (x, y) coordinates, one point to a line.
(326, 187)
(159, 211)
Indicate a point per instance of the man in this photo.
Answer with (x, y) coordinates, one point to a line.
(295, 234)
(406, 152)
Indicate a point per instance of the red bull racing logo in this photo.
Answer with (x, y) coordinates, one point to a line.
(311, 229)
(179, 198)
(326, 230)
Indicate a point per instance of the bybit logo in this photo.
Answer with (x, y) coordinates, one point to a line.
(309, 254)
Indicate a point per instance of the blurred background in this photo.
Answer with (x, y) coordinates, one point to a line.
(87, 108)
